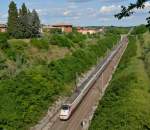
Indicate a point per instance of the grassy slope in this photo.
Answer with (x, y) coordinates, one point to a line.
(126, 103)
(146, 51)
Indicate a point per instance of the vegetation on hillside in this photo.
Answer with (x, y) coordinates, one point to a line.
(145, 45)
(139, 30)
(125, 105)
(30, 81)
(117, 30)
(67, 39)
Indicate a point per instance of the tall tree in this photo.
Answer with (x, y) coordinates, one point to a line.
(129, 10)
(26, 24)
(12, 18)
(35, 23)
(24, 10)
(23, 27)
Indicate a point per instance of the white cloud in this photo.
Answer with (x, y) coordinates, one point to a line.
(66, 12)
(72, 6)
(3, 18)
(76, 17)
(104, 19)
(147, 4)
(109, 9)
(42, 12)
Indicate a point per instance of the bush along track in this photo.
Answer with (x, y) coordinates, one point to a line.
(26, 96)
(145, 45)
(125, 106)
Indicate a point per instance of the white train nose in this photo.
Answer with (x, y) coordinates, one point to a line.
(64, 112)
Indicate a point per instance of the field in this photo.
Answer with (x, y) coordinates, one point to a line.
(35, 72)
(125, 106)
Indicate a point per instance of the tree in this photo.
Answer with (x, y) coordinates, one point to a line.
(24, 10)
(127, 11)
(12, 18)
(23, 27)
(26, 24)
(23, 30)
(35, 23)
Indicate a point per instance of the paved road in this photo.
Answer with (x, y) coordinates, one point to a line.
(86, 106)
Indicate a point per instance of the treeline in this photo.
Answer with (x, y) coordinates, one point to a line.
(117, 30)
(22, 23)
(139, 30)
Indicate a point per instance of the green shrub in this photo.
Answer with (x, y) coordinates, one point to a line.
(4, 36)
(139, 30)
(40, 43)
(117, 30)
(16, 49)
(61, 40)
(67, 39)
(145, 53)
(3, 40)
(55, 31)
(76, 37)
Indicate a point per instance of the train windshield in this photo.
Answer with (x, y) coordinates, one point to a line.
(65, 107)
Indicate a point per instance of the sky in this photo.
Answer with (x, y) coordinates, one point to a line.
(79, 12)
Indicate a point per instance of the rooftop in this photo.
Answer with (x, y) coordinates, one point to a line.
(3, 26)
(62, 24)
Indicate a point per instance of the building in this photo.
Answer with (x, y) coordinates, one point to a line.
(46, 28)
(64, 27)
(88, 30)
(3, 28)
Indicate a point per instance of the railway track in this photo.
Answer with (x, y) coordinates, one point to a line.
(103, 74)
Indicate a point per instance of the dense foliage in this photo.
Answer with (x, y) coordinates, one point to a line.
(67, 39)
(145, 45)
(125, 105)
(12, 19)
(3, 40)
(117, 30)
(24, 24)
(40, 43)
(139, 29)
(26, 92)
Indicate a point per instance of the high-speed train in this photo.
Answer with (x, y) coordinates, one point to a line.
(71, 104)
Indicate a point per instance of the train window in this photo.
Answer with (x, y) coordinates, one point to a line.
(65, 107)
